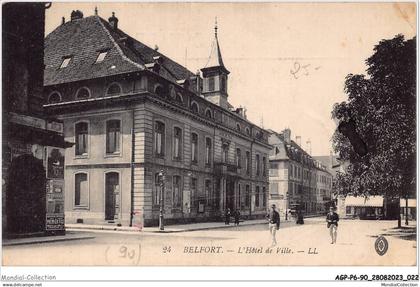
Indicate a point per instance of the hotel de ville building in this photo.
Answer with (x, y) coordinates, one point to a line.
(134, 115)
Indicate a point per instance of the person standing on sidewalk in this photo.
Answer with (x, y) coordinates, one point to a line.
(273, 224)
(332, 224)
(227, 216)
(237, 215)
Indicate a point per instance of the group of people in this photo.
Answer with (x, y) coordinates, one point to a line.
(274, 224)
(236, 215)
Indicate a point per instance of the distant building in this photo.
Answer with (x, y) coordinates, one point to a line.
(132, 112)
(29, 139)
(296, 179)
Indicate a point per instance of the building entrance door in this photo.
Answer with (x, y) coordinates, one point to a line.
(230, 194)
(112, 195)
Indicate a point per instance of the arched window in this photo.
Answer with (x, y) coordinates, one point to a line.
(194, 107)
(208, 151)
(81, 135)
(178, 98)
(159, 139)
(113, 131)
(114, 89)
(238, 127)
(248, 131)
(209, 114)
(177, 143)
(83, 93)
(159, 90)
(194, 147)
(54, 97)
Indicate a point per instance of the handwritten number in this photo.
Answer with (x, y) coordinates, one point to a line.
(166, 249)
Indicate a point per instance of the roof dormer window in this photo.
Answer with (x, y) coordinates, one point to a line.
(101, 57)
(65, 62)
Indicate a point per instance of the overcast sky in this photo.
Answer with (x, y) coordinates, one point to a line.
(287, 61)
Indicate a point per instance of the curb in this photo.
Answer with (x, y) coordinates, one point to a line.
(200, 228)
(46, 240)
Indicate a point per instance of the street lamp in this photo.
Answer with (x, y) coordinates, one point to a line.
(162, 188)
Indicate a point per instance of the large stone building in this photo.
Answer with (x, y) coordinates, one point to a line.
(29, 139)
(132, 112)
(297, 181)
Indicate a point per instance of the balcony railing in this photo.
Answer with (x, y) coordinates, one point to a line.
(224, 167)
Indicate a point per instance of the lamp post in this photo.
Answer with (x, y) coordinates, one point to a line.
(162, 188)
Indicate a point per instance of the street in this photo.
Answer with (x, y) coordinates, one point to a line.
(298, 245)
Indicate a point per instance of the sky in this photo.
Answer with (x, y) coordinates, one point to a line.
(287, 61)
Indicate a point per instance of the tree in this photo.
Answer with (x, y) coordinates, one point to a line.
(380, 115)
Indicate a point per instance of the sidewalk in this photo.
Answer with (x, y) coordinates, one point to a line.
(46, 239)
(168, 228)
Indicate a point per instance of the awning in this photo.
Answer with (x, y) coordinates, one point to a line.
(361, 201)
(411, 202)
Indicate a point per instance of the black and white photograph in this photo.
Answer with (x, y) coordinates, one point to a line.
(233, 134)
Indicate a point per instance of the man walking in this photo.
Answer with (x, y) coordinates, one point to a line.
(273, 224)
(227, 216)
(332, 224)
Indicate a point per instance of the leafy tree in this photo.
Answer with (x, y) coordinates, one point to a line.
(381, 108)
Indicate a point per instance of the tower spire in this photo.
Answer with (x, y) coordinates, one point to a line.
(215, 26)
(96, 10)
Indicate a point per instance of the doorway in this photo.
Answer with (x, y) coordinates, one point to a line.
(230, 194)
(112, 195)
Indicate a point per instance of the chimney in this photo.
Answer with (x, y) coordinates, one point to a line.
(299, 140)
(63, 21)
(286, 135)
(75, 15)
(113, 21)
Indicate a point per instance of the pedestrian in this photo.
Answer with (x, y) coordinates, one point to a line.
(299, 217)
(227, 216)
(273, 224)
(332, 224)
(237, 215)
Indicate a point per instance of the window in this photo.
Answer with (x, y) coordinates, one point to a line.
(113, 89)
(65, 62)
(240, 201)
(247, 162)
(238, 127)
(208, 151)
(209, 194)
(208, 113)
(247, 197)
(81, 192)
(113, 136)
(83, 93)
(223, 84)
(211, 84)
(193, 195)
(194, 147)
(257, 196)
(264, 166)
(156, 191)
(264, 197)
(178, 98)
(238, 158)
(54, 98)
(194, 107)
(177, 143)
(101, 57)
(257, 164)
(81, 131)
(159, 90)
(159, 138)
(176, 191)
(225, 153)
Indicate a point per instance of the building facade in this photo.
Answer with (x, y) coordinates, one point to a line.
(134, 114)
(297, 181)
(29, 139)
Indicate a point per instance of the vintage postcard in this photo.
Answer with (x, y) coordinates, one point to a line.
(209, 134)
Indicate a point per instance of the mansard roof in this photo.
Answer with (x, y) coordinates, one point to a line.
(83, 39)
